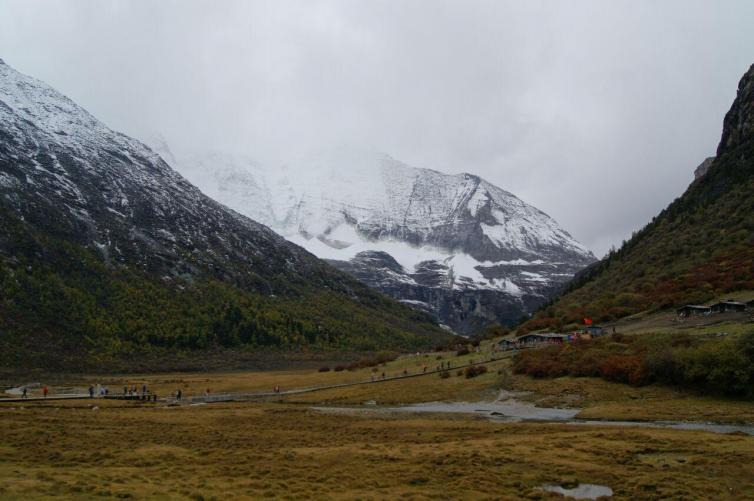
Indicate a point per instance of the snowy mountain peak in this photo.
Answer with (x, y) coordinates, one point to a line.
(60, 166)
(99, 219)
(382, 199)
(55, 117)
(452, 232)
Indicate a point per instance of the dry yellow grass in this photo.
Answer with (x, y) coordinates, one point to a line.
(283, 451)
(602, 399)
(286, 450)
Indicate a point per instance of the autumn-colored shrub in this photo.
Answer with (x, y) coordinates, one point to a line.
(722, 365)
(627, 369)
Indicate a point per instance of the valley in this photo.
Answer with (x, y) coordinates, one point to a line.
(455, 246)
(276, 310)
(337, 443)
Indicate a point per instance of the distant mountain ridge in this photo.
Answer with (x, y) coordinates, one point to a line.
(466, 250)
(104, 246)
(700, 246)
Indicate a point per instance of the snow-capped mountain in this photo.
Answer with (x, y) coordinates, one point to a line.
(452, 244)
(68, 180)
(59, 161)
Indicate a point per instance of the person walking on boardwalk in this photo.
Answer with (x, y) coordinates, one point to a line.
(45, 391)
(178, 394)
(91, 391)
(23, 393)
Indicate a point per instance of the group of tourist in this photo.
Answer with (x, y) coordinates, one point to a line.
(133, 393)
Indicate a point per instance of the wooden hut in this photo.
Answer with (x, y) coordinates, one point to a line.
(507, 344)
(728, 305)
(542, 338)
(691, 310)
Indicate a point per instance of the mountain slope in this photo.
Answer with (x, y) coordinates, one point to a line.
(101, 241)
(700, 246)
(465, 250)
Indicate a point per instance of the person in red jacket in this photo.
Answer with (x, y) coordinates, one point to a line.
(45, 391)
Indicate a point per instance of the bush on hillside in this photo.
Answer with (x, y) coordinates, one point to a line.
(719, 365)
(475, 370)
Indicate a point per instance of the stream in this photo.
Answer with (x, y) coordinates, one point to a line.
(510, 410)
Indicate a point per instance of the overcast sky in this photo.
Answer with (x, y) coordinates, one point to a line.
(595, 112)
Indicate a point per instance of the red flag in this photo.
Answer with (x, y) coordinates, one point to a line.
(587, 321)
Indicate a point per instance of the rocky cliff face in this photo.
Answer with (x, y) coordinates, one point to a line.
(703, 167)
(738, 124)
(430, 287)
(454, 245)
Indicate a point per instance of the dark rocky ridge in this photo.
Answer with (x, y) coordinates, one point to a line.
(465, 309)
(738, 124)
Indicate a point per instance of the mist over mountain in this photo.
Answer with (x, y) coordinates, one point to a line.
(454, 245)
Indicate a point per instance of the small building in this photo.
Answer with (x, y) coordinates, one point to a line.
(507, 344)
(542, 338)
(594, 330)
(728, 305)
(691, 310)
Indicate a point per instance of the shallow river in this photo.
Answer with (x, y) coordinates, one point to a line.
(509, 409)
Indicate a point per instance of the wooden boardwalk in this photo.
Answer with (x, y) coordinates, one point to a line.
(18, 400)
(240, 397)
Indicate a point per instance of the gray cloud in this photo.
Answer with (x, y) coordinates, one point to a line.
(596, 112)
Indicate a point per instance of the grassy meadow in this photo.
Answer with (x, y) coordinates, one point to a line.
(288, 451)
(282, 448)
